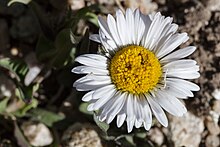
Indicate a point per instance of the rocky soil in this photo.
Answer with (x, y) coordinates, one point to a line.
(199, 18)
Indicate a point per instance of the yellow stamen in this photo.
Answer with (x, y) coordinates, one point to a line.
(135, 69)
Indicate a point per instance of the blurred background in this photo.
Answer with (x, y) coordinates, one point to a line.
(39, 40)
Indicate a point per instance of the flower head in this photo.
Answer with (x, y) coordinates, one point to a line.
(139, 72)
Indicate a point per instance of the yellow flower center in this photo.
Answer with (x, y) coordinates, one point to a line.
(135, 69)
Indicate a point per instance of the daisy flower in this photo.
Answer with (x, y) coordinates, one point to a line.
(138, 73)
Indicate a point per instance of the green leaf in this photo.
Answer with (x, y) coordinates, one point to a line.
(45, 49)
(17, 67)
(22, 112)
(3, 104)
(19, 1)
(46, 117)
(141, 134)
(63, 46)
(21, 140)
(130, 139)
(83, 108)
(92, 17)
(26, 93)
(83, 46)
(74, 39)
(87, 14)
(102, 125)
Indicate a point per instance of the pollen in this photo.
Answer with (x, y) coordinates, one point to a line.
(135, 69)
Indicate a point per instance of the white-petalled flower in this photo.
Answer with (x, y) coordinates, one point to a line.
(138, 73)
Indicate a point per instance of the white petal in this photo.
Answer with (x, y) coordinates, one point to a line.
(97, 61)
(90, 107)
(103, 100)
(147, 126)
(171, 44)
(98, 77)
(139, 27)
(108, 44)
(87, 87)
(155, 25)
(113, 29)
(175, 92)
(179, 87)
(93, 82)
(120, 119)
(137, 108)
(164, 29)
(89, 70)
(81, 80)
(121, 26)
(106, 107)
(184, 63)
(138, 124)
(99, 93)
(181, 53)
(130, 25)
(184, 75)
(88, 96)
(130, 108)
(105, 29)
(122, 115)
(130, 125)
(158, 111)
(147, 23)
(95, 37)
(95, 57)
(176, 69)
(170, 103)
(115, 107)
(168, 31)
(146, 111)
(191, 86)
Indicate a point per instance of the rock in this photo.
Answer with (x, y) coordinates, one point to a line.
(146, 6)
(156, 136)
(76, 4)
(212, 126)
(37, 134)
(212, 5)
(216, 94)
(212, 141)
(81, 135)
(196, 17)
(186, 130)
(216, 106)
(215, 117)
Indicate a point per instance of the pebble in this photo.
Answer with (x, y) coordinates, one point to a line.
(37, 134)
(212, 141)
(216, 94)
(216, 106)
(81, 135)
(186, 130)
(146, 6)
(212, 126)
(212, 5)
(156, 136)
